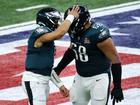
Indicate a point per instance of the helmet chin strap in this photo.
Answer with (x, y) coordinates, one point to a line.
(87, 25)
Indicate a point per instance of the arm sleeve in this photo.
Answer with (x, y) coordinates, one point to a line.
(116, 73)
(55, 79)
(67, 58)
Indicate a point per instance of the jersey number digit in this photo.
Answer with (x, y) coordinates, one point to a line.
(81, 54)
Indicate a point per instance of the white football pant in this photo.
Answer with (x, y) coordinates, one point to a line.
(93, 88)
(37, 92)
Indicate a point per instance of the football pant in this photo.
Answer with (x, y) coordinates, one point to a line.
(95, 88)
(37, 92)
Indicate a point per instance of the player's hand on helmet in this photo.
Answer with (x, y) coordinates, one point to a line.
(75, 11)
(117, 95)
(64, 91)
(38, 43)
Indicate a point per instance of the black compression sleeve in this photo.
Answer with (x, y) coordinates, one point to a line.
(116, 72)
(67, 58)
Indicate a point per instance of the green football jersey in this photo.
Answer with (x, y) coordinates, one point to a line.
(90, 60)
(40, 60)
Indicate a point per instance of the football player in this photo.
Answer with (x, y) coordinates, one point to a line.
(96, 57)
(39, 61)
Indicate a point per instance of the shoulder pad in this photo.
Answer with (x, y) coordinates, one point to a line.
(98, 26)
(40, 31)
(102, 32)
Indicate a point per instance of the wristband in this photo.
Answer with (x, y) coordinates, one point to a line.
(70, 18)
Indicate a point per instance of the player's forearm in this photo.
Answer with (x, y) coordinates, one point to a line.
(116, 73)
(55, 79)
(67, 58)
(59, 32)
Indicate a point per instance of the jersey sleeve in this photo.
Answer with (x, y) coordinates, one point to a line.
(40, 31)
(103, 35)
(100, 33)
